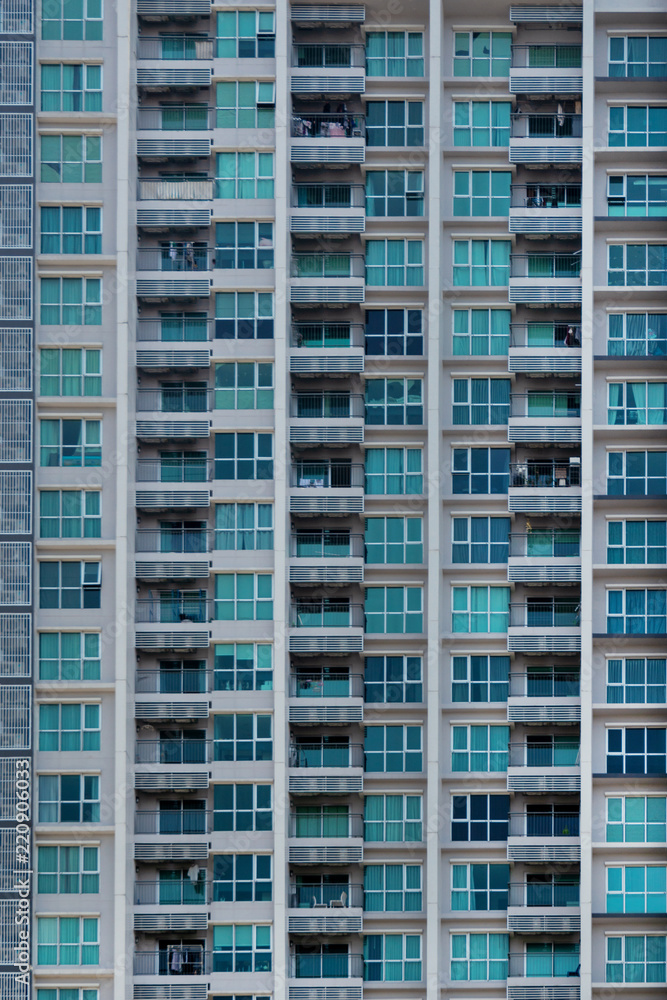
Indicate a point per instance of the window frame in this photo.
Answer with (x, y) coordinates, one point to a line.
(408, 342)
(400, 61)
(466, 551)
(464, 457)
(54, 735)
(642, 552)
(90, 159)
(617, 874)
(259, 882)
(640, 688)
(622, 963)
(401, 203)
(239, 394)
(643, 761)
(467, 338)
(69, 877)
(89, 587)
(257, 113)
(235, 251)
(84, 312)
(263, 36)
(468, 892)
(385, 896)
(239, 607)
(257, 745)
(468, 819)
(86, 805)
(407, 968)
(88, 95)
(620, 458)
(86, 239)
(458, 60)
(401, 477)
(90, 22)
(409, 549)
(243, 537)
(386, 618)
(624, 825)
(491, 760)
(87, 523)
(400, 401)
(492, 616)
(232, 958)
(491, 273)
(641, 135)
(259, 815)
(383, 822)
(492, 135)
(494, 969)
(409, 132)
(259, 462)
(466, 666)
(258, 326)
(404, 759)
(405, 273)
(618, 613)
(497, 205)
(86, 382)
(624, 62)
(244, 181)
(87, 944)
(89, 666)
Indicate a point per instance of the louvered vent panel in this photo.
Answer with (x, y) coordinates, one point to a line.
(567, 854)
(544, 644)
(544, 435)
(188, 639)
(172, 77)
(171, 710)
(537, 715)
(571, 84)
(326, 364)
(544, 574)
(188, 288)
(327, 224)
(543, 784)
(326, 435)
(329, 13)
(163, 149)
(326, 785)
(326, 855)
(172, 570)
(547, 14)
(314, 153)
(158, 359)
(171, 852)
(162, 430)
(564, 502)
(547, 364)
(316, 506)
(543, 923)
(547, 295)
(326, 715)
(158, 922)
(165, 499)
(328, 84)
(164, 781)
(545, 224)
(324, 925)
(190, 217)
(333, 645)
(174, 8)
(543, 992)
(545, 154)
(325, 993)
(160, 991)
(326, 294)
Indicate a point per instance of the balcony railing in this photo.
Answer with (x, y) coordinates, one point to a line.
(177, 118)
(327, 335)
(321, 755)
(545, 335)
(175, 47)
(546, 824)
(325, 684)
(174, 540)
(545, 266)
(544, 966)
(175, 330)
(561, 753)
(545, 404)
(172, 822)
(545, 684)
(166, 189)
(342, 56)
(324, 544)
(327, 265)
(329, 126)
(326, 966)
(545, 614)
(545, 196)
(179, 960)
(327, 196)
(326, 405)
(549, 893)
(174, 609)
(181, 892)
(545, 543)
(546, 56)
(177, 257)
(334, 475)
(530, 125)
(326, 613)
(179, 469)
(175, 399)
(173, 751)
(317, 825)
(334, 895)
(528, 475)
(182, 680)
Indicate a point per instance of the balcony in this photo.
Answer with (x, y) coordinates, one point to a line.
(173, 678)
(176, 258)
(173, 822)
(544, 696)
(179, 483)
(181, 892)
(325, 908)
(173, 751)
(544, 904)
(178, 548)
(545, 278)
(326, 626)
(178, 344)
(322, 835)
(541, 767)
(176, 48)
(324, 696)
(328, 71)
(194, 118)
(326, 418)
(328, 556)
(173, 10)
(158, 780)
(548, 487)
(327, 140)
(544, 976)
(550, 836)
(544, 556)
(165, 189)
(546, 69)
(312, 970)
(186, 615)
(328, 209)
(179, 960)
(545, 209)
(545, 418)
(332, 349)
(197, 120)
(545, 349)
(326, 488)
(162, 404)
(547, 139)
(548, 626)
(325, 767)
(327, 278)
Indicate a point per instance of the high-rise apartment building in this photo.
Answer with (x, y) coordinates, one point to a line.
(333, 500)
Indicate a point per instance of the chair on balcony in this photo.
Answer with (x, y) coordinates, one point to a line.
(339, 902)
(561, 476)
(317, 906)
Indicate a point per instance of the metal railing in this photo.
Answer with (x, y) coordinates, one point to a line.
(327, 335)
(326, 613)
(546, 266)
(166, 189)
(546, 56)
(327, 474)
(177, 118)
(326, 405)
(173, 822)
(323, 825)
(176, 893)
(337, 895)
(327, 265)
(328, 126)
(328, 196)
(176, 330)
(177, 257)
(174, 540)
(545, 196)
(175, 47)
(174, 470)
(561, 753)
(545, 404)
(555, 683)
(182, 680)
(172, 610)
(530, 474)
(547, 334)
(546, 824)
(551, 544)
(323, 755)
(179, 960)
(173, 751)
(325, 543)
(326, 966)
(175, 399)
(542, 966)
(325, 684)
(535, 125)
(344, 56)
(563, 892)
(545, 614)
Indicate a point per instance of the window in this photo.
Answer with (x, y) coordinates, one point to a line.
(481, 400)
(244, 385)
(636, 889)
(244, 175)
(394, 401)
(242, 807)
(68, 798)
(395, 123)
(637, 819)
(480, 678)
(393, 748)
(480, 887)
(246, 34)
(71, 87)
(394, 332)
(479, 956)
(71, 159)
(638, 55)
(637, 334)
(243, 597)
(481, 262)
(397, 540)
(68, 869)
(394, 193)
(550, 959)
(480, 470)
(480, 539)
(637, 473)
(69, 727)
(392, 818)
(71, 301)
(70, 514)
(68, 941)
(482, 123)
(67, 993)
(637, 542)
(394, 262)
(394, 609)
(480, 748)
(636, 751)
(241, 948)
(242, 737)
(482, 192)
(240, 245)
(71, 229)
(392, 958)
(637, 263)
(636, 958)
(637, 125)
(242, 878)
(69, 585)
(637, 681)
(394, 471)
(482, 53)
(69, 656)
(480, 609)
(70, 371)
(392, 887)
(393, 679)
(243, 456)
(244, 315)
(243, 526)
(394, 53)
(637, 195)
(480, 817)
(637, 612)
(78, 21)
(245, 104)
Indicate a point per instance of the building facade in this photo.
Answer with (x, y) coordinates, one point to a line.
(334, 573)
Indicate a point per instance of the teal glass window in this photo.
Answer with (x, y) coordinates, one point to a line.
(482, 123)
(70, 371)
(481, 262)
(69, 656)
(395, 540)
(71, 87)
(77, 20)
(482, 192)
(243, 597)
(636, 819)
(394, 53)
(480, 748)
(393, 819)
(636, 889)
(480, 887)
(243, 666)
(71, 159)
(394, 609)
(477, 678)
(393, 748)
(480, 609)
(242, 736)
(482, 53)
(68, 870)
(476, 957)
(244, 175)
(68, 941)
(242, 807)
(392, 887)
(390, 958)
